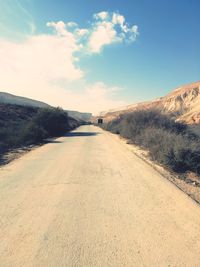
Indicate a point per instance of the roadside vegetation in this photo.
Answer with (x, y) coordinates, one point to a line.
(23, 126)
(168, 142)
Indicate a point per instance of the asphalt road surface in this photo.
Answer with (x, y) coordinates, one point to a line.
(87, 200)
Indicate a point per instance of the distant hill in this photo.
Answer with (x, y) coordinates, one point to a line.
(79, 115)
(6, 98)
(183, 103)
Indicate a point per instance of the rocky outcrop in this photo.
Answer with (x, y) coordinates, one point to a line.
(183, 103)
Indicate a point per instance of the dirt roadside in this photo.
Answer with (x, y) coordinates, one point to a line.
(189, 182)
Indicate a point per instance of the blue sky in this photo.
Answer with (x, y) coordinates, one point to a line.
(156, 52)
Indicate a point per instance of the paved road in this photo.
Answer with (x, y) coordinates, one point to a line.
(86, 200)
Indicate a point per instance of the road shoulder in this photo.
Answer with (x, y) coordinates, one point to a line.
(188, 183)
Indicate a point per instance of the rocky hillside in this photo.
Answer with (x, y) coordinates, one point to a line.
(183, 103)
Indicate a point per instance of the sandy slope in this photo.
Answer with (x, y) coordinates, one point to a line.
(86, 200)
(183, 103)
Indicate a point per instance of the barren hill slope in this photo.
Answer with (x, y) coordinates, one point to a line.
(183, 103)
(6, 98)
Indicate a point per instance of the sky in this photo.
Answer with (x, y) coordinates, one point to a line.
(92, 55)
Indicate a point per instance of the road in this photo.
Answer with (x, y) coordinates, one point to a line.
(87, 200)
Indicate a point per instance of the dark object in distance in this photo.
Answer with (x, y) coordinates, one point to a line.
(100, 121)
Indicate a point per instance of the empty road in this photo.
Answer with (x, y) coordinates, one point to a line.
(87, 200)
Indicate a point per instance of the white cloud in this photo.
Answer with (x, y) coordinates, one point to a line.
(104, 34)
(72, 24)
(33, 67)
(101, 15)
(59, 26)
(110, 28)
(45, 67)
(103, 94)
(69, 37)
(118, 19)
(47, 56)
(82, 32)
(135, 29)
(107, 28)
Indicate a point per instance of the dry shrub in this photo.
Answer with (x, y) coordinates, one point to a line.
(169, 142)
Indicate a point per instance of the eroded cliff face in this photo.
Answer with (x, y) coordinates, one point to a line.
(183, 103)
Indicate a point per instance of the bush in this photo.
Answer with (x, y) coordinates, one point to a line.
(32, 134)
(29, 126)
(46, 123)
(53, 120)
(169, 142)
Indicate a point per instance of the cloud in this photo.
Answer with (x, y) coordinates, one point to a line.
(43, 67)
(110, 28)
(47, 56)
(72, 24)
(118, 19)
(103, 94)
(82, 32)
(101, 15)
(107, 28)
(46, 66)
(59, 26)
(98, 92)
(35, 67)
(104, 34)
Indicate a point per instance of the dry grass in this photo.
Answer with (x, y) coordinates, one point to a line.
(170, 143)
